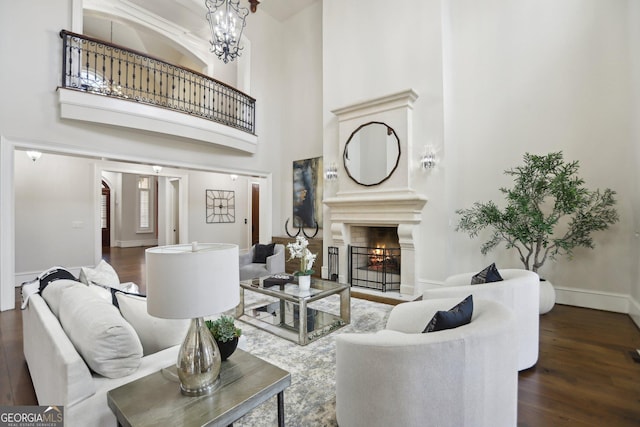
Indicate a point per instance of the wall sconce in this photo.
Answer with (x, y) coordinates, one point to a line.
(233, 177)
(428, 159)
(34, 155)
(331, 173)
(156, 168)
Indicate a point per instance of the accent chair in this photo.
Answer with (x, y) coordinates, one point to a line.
(519, 290)
(273, 264)
(399, 376)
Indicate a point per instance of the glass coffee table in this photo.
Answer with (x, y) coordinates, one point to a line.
(277, 308)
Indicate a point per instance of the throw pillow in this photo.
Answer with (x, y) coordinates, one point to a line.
(109, 294)
(53, 274)
(487, 275)
(103, 275)
(155, 333)
(52, 294)
(262, 252)
(456, 316)
(106, 341)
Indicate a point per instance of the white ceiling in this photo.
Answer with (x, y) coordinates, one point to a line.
(190, 13)
(284, 9)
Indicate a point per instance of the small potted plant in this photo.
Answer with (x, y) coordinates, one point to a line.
(225, 333)
(299, 249)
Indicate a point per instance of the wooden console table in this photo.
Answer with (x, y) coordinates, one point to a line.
(315, 246)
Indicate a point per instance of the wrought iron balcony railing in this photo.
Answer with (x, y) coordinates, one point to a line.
(104, 68)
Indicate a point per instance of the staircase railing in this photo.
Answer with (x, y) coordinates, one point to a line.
(104, 68)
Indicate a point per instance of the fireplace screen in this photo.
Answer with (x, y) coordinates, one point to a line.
(374, 268)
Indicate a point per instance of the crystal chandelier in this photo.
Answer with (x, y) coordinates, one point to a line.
(226, 22)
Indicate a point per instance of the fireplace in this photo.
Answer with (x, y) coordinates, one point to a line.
(374, 258)
(394, 203)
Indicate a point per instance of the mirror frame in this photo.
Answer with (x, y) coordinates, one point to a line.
(344, 153)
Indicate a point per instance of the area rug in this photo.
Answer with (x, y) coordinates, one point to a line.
(310, 400)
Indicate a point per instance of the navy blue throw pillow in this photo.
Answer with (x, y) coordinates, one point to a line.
(487, 275)
(262, 252)
(457, 316)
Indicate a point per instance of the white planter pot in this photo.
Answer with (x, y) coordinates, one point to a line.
(547, 296)
(304, 282)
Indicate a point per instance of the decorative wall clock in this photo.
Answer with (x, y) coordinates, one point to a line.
(221, 206)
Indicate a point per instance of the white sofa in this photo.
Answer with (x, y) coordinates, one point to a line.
(520, 291)
(459, 377)
(60, 375)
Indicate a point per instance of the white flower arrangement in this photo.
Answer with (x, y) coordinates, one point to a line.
(298, 249)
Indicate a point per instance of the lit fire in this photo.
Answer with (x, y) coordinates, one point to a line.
(377, 255)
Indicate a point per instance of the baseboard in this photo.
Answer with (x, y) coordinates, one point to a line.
(634, 311)
(599, 300)
(136, 243)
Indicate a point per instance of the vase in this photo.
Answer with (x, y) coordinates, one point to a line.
(227, 348)
(547, 296)
(304, 282)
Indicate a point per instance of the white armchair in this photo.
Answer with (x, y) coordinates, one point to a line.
(520, 291)
(465, 376)
(274, 264)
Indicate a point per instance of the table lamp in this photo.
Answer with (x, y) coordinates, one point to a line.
(188, 282)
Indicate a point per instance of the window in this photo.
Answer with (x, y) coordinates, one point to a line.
(144, 204)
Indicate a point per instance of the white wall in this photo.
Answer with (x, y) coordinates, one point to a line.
(30, 112)
(54, 212)
(199, 229)
(301, 104)
(541, 76)
(30, 116)
(495, 79)
(371, 50)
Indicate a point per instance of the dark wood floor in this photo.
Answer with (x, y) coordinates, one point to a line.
(584, 376)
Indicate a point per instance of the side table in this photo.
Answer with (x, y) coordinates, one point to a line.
(246, 381)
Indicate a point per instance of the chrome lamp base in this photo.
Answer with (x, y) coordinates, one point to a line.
(198, 365)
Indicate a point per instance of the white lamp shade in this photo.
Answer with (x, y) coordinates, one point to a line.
(183, 283)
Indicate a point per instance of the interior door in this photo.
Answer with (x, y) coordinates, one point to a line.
(105, 215)
(174, 221)
(255, 213)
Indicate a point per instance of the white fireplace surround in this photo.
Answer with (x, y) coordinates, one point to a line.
(393, 203)
(402, 210)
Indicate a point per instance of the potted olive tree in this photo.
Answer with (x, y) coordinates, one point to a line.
(548, 213)
(225, 333)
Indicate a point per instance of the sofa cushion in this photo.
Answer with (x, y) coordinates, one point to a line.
(262, 252)
(52, 294)
(155, 333)
(487, 275)
(103, 274)
(458, 315)
(106, 341)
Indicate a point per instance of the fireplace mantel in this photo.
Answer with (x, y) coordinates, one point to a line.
(381, 207)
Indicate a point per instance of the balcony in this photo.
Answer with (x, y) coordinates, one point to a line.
(134, 90)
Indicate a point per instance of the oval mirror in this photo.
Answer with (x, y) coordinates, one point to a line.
(372, 153)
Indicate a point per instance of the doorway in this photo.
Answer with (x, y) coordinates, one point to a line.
(174, 211)
(255, 213)
(105, 214)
